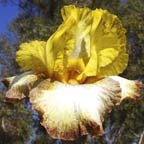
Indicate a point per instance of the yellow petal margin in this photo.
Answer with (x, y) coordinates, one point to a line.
(89, 43)
(71, 111)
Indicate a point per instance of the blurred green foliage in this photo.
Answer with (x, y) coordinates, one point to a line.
(15, 122)
(38, 19)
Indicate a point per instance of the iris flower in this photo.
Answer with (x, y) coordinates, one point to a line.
(72, 78)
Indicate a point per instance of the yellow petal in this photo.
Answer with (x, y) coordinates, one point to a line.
(61, 45)
(58, 47)
(67, 11)
(108, 46)
(117, 66)
(71, 111)
(107, 56)
(100, 42)
(89, 43)
(32, 56)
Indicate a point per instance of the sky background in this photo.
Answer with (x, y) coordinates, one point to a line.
(7, 13)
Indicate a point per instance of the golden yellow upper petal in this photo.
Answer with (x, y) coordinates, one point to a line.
(89, 43)
(31, 56)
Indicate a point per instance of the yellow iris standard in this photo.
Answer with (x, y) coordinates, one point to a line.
(89, 43)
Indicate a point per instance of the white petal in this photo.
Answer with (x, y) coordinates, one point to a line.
(70, 111)
(19, 86)
(130, 88)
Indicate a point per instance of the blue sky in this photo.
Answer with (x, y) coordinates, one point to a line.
(7, 13)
